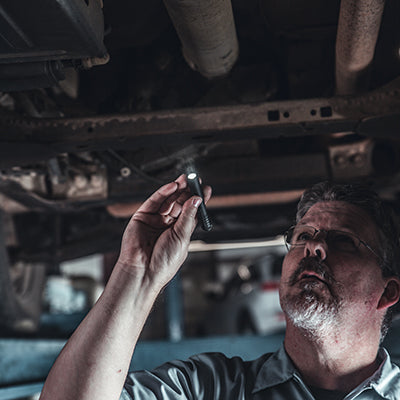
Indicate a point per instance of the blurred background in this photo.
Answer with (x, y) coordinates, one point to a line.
(101, 102)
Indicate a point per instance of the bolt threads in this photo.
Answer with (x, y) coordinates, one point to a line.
(204, 218)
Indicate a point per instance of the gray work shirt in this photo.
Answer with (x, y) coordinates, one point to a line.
(272, 377)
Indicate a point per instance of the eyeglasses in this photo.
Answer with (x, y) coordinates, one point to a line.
(344, 242)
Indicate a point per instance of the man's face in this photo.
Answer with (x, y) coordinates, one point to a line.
(322, 285)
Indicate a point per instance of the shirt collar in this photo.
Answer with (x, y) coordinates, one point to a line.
(279, 368)
(385, 381)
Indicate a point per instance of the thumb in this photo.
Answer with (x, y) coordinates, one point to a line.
(185, 224)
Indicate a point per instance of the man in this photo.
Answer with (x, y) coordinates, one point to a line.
(339, 281)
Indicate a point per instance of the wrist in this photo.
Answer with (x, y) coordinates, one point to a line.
(138, 277)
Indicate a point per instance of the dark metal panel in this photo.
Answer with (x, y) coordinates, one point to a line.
(50, 30)
(381, 126)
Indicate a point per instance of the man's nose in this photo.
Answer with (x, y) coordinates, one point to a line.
(316, 248)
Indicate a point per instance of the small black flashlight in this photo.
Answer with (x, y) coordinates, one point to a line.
(195, 188)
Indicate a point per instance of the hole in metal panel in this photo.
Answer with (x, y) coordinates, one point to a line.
(326, 111)
(273, 115)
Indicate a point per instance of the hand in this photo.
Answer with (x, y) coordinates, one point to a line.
(156, 240)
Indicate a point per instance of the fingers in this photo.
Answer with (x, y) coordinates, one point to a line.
(207, 191)
(181, 181)
(156, 200)
(169, 199)
(173, 205)
(174, 201)
(186, 222)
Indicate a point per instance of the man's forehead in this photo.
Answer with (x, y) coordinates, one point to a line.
(338, 214)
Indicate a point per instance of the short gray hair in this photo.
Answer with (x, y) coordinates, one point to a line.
(368, 200)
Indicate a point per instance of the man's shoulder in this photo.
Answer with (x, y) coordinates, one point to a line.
(221, 357)
(386, 380)
(219, 363)
(204, 375)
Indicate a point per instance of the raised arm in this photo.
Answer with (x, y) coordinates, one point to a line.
(95, 361)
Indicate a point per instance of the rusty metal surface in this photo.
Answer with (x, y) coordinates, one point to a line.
(357, 34)
(351, 160)
(323, 116)
(207, 32)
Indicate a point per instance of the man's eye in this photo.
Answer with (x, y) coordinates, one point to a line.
(342, 241)
(303, 236)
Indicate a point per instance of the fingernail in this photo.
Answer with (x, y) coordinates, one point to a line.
(197, 201)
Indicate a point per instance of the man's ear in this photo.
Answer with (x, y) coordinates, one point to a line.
(391, 294)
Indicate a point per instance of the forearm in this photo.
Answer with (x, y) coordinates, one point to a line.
(95, 361)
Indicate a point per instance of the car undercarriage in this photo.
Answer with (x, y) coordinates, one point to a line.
(102, 103)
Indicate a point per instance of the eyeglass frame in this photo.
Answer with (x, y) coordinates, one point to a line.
(326, 231)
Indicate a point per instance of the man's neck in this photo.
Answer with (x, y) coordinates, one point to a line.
(332, 361)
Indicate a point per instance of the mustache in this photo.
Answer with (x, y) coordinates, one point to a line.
(312, 264)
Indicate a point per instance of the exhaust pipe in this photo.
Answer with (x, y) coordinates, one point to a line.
(357, 34)
(207, 32)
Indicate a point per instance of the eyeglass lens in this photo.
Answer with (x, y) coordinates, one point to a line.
(343, 241)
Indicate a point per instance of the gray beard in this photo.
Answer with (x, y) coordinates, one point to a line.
(316, 314)
(308, 311)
